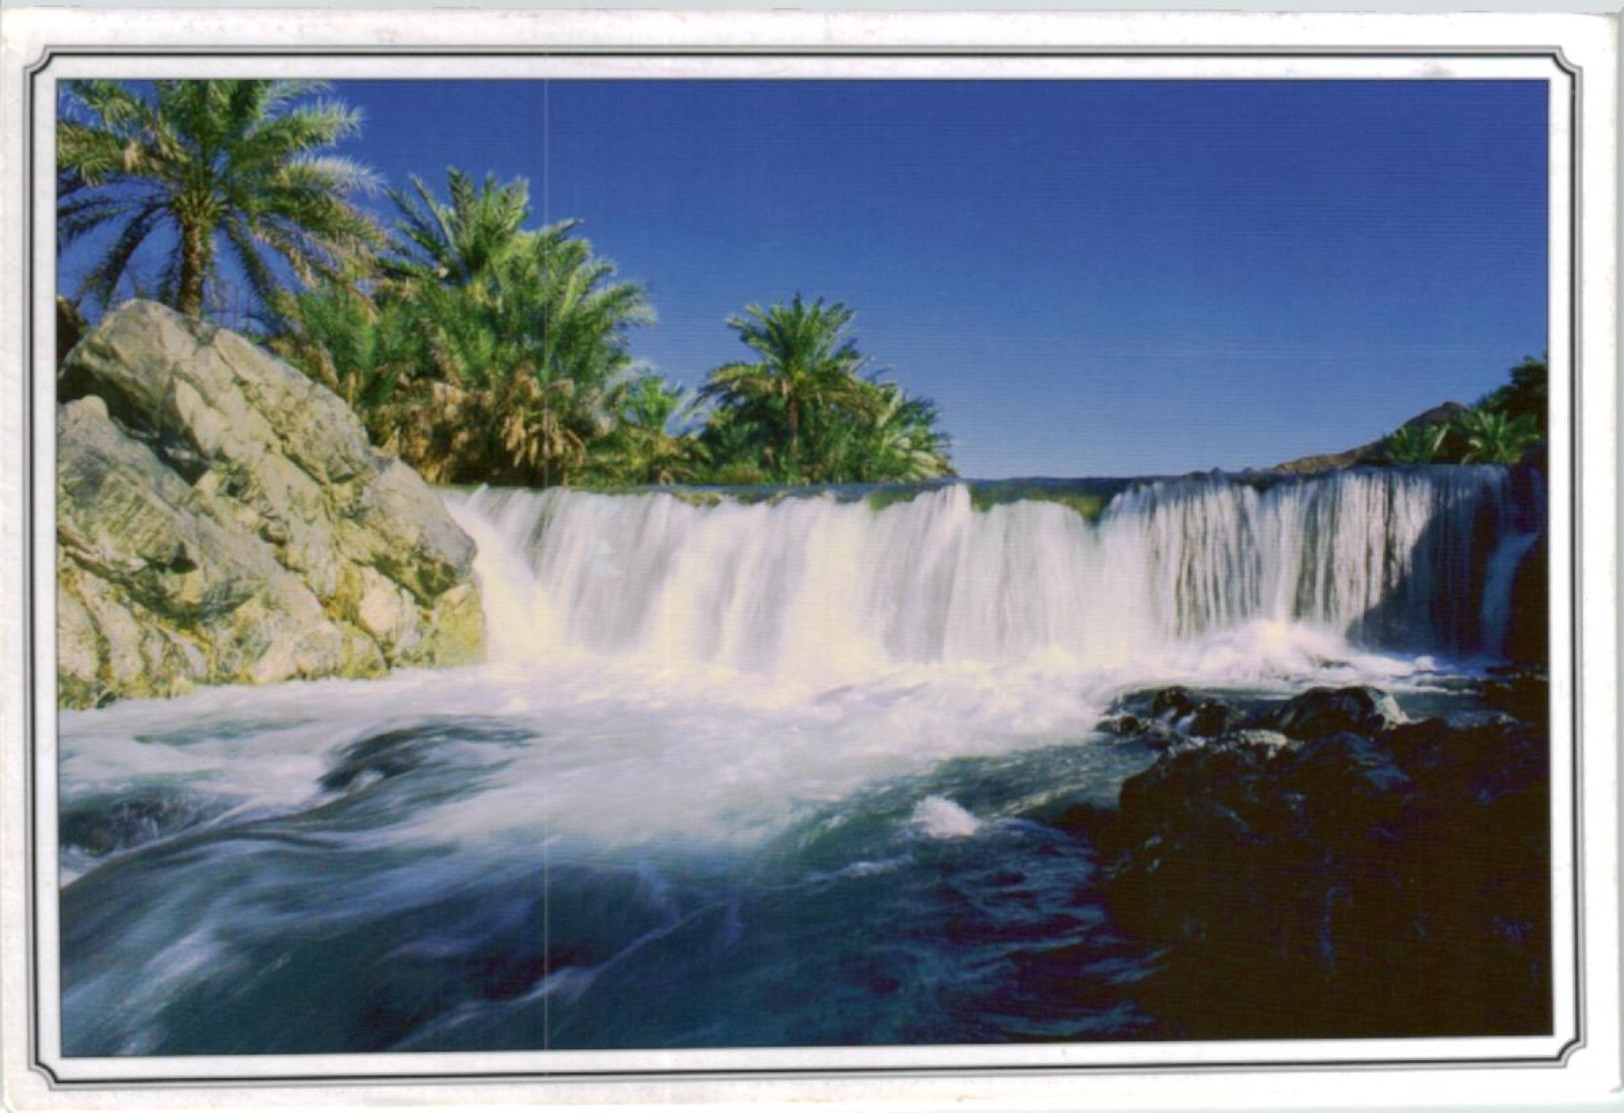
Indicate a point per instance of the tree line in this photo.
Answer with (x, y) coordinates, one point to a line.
(482, 348)
(476, 345)
(1499, 429)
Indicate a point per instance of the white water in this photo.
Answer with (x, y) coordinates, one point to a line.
(817, 588)
(705, 676)
(1502, 571)
(699, 731)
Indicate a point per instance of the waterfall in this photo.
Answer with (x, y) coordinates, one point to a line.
(1393, 559)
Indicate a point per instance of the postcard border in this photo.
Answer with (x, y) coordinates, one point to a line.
(1575, 100)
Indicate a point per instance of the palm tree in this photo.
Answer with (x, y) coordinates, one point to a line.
(232, 164)
(902, 442)
(1415, 444)
(1494, 438)
(1526, 395)
(808, 363)
(573, 313)
(514, 339)
(355, 345)
(464, 243)
(652, 440)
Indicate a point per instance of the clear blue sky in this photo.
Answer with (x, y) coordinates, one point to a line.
(1089, 278)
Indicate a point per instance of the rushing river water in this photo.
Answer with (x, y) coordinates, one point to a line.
(735, 773)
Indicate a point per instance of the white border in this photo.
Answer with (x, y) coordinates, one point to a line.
(1586, 44)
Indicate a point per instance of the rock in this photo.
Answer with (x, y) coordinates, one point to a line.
(1321, 711)
(387, 754)
(1347, 885)
(1525, 695)
(1159, 715)
(1097, 822)
(70, 329)
(1368, 453)
(1528, 634)
(222, 519)
(99, 825)
(1269, 739)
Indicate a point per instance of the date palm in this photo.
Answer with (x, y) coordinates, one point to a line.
(516, 337)
(1415, 444)
(463, 242)
(232, 166)
(808, 363)
(1494, 438)
(653, 439)
(573, 312)
(902, 442)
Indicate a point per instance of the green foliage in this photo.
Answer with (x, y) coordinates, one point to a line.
(652, 440)
(1496, 438)
(1088, 501)
(1525, 396)
(477, 348)
(501, 351)
(359, 349)
(1415, 444)
(467, 242)
(1500, 429)
(227, 165)
(803, 412)
(892, 438)
(883, 497)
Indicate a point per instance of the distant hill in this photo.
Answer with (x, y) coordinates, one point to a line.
(1365, 453)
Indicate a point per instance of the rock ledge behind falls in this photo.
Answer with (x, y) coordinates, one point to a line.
(222, 519)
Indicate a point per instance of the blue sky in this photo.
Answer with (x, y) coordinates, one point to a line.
(1089, 278)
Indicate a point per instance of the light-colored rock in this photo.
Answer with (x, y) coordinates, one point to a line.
(222, 519)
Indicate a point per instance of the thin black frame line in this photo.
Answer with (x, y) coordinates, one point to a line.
(1193, 1067)
(1012, 52)
(31, 896)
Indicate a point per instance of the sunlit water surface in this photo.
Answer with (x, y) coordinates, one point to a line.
(733, 775)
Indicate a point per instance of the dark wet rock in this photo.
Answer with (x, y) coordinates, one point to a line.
(1320, 711)
(100, 825)
(1123, 725)
(1471, 718)
(1097, 822)
(1392, 882)
(1272, 739)
(390, 753)
(1528, 635)
(1158, 716)
(1157, 735)
(1335, 767)
(1525, 695)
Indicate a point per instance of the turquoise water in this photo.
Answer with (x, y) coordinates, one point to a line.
(733, 775)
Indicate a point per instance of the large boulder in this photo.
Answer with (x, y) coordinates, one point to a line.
(1348, 882)
(222, 519)
(1321, 711)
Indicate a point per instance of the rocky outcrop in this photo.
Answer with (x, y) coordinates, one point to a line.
(223, 519)
(1528, 634)
(1368, 453)
(1341, 871)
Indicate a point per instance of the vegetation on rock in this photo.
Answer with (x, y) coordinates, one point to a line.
(1500, 429)
(222, 519)
(477, 348)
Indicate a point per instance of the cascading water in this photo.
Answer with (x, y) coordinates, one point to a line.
(736, 773)
(1390, 559)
